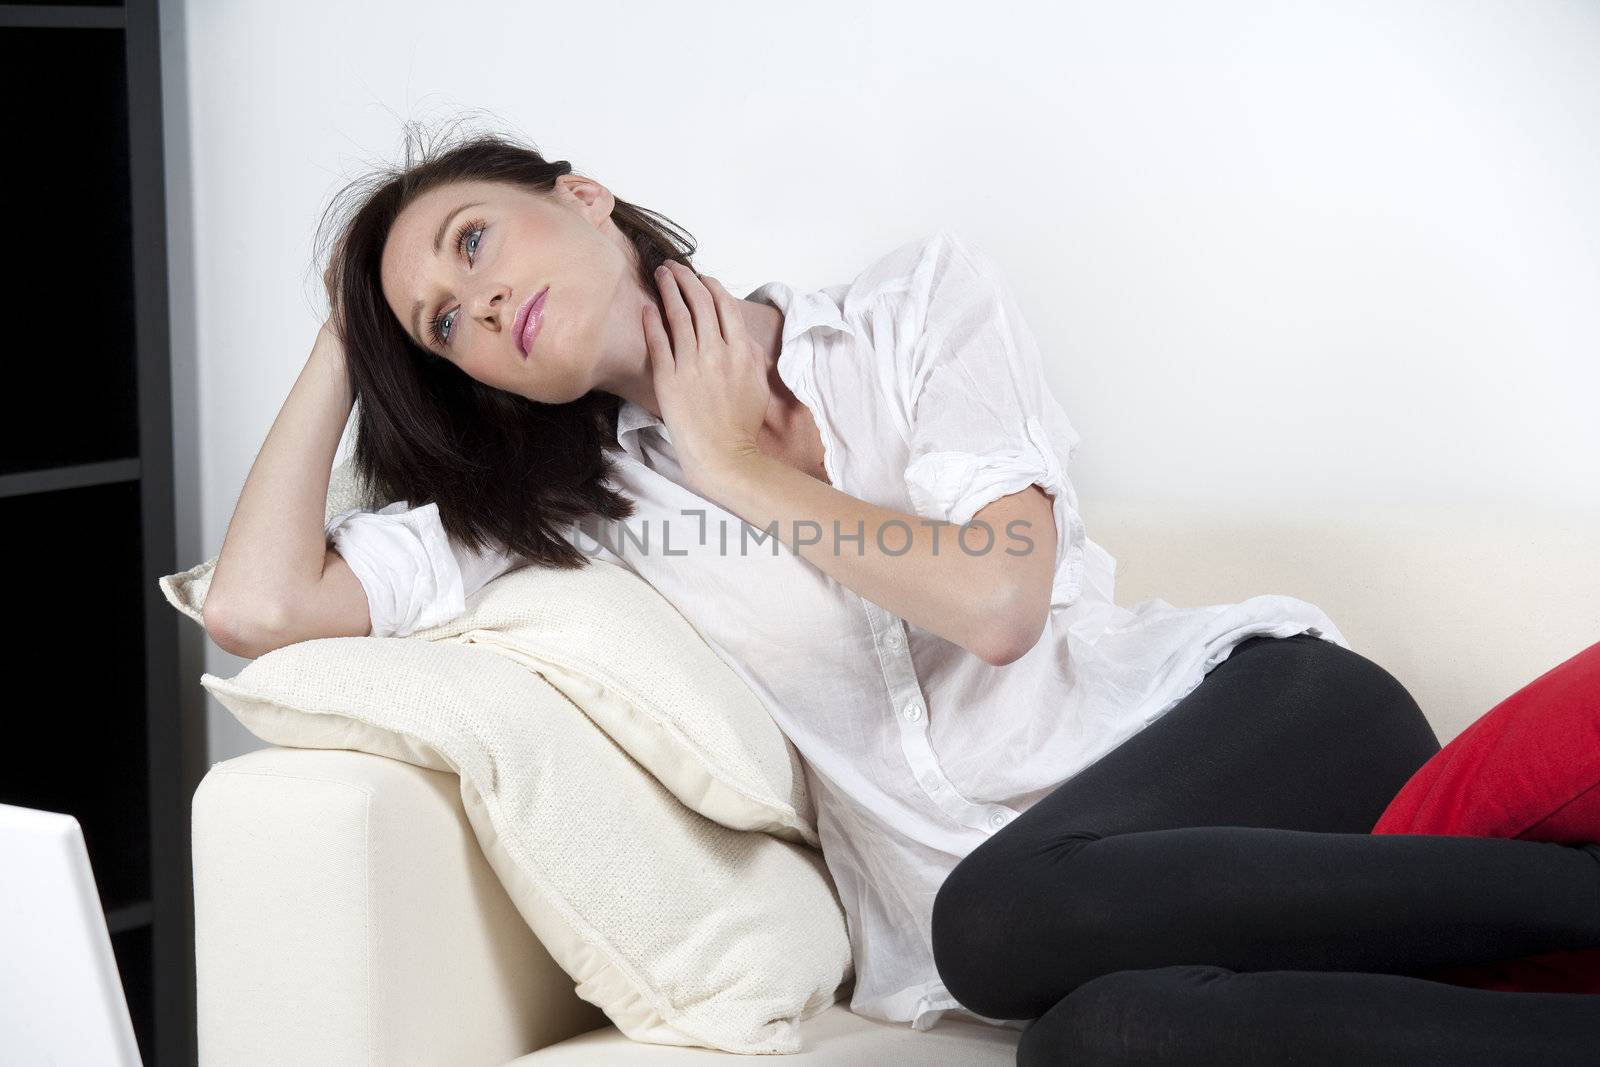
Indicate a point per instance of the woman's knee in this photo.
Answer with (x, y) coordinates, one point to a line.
(1127, 1017)
(963, 929)
(981, 916)
(997, 912)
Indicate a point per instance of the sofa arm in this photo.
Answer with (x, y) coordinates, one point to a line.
(345, 915)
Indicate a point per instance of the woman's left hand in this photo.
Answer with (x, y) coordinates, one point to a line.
(710, 380)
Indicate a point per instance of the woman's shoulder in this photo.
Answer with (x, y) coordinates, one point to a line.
(914, 271)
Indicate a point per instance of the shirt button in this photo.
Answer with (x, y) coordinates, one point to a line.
(892, 639)
(997, 820)
(913, 711)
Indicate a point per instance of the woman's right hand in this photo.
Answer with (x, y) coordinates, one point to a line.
(328, 340)
(328, 352)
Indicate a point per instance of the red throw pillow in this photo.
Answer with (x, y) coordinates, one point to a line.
(1528, 768)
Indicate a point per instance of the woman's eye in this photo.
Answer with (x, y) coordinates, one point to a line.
(473, 230)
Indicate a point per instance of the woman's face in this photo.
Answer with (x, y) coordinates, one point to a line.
(501, 250)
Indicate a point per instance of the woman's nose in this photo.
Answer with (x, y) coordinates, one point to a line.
(489, 306)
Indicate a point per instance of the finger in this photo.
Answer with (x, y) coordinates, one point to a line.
(732, 322)
(679, 323)
(655, 342)
(698, 298)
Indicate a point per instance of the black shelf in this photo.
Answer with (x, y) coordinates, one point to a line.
(114, 733)
(88, 757)
(65, 476)
(75, 221)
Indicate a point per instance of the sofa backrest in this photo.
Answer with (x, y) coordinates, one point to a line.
(1463, 605)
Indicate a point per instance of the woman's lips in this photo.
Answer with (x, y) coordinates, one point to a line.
(531, 322)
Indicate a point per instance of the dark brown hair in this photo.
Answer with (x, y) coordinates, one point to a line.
(506, 471)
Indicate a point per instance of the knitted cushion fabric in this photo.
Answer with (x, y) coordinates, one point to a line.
(634, 664)
(1528, 768)
(683, 931)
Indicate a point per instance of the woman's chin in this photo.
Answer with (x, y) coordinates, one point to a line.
(548, 392)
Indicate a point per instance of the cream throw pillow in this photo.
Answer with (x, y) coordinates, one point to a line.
(683, 931)
(620, 651)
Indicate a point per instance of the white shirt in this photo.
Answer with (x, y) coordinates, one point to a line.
(928, 392)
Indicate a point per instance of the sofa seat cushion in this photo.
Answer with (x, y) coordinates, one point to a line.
(837, 1037)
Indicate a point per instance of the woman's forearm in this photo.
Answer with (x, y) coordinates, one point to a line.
(964, 584)
(275, 549)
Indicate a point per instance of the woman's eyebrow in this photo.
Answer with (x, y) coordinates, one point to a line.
(438, 239)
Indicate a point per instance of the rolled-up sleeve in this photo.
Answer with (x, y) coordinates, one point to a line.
(983, 422)
(415, 576)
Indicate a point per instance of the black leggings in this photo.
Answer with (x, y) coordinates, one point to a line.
(1209, 893)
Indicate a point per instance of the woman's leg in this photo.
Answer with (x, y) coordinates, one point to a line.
(1232, 833)
(1202, 1016)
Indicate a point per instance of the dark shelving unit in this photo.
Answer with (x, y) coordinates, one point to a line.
(110, 734)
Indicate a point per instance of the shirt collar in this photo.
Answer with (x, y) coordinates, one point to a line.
(802, 313)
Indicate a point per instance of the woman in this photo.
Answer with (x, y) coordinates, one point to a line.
(1139, 835)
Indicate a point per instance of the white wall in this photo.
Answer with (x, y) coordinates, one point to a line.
(1296, 256)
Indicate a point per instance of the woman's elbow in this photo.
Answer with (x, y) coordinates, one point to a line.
(1015, 629)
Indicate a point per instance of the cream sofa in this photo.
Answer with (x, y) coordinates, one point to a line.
(345, 916)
